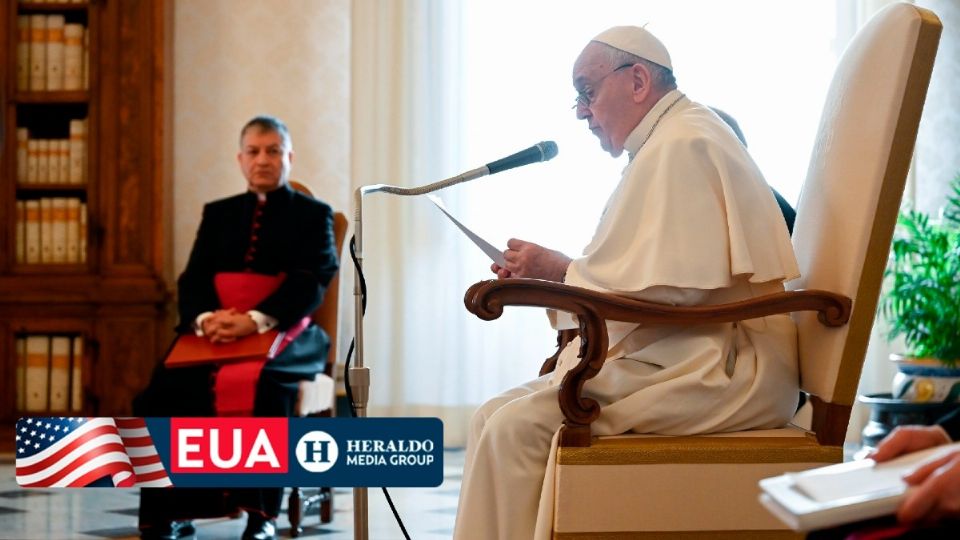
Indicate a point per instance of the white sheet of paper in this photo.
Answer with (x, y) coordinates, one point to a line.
(845, 492)
(496, 255)
(864, 477)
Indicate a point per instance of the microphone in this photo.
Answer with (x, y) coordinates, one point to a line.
(542, 151)
(539, 152)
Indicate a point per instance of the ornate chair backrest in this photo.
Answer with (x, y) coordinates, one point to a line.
(851, 196)
(325, 316)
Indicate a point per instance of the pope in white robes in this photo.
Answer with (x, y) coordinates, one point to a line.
(692, 221)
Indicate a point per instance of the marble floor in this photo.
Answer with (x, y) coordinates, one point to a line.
(97, 513)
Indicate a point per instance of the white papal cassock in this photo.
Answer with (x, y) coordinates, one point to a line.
(692, 221)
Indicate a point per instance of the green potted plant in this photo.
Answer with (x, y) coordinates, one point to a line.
(922, 303)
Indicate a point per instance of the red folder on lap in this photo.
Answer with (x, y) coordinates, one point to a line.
(239, 362)
(191, 350)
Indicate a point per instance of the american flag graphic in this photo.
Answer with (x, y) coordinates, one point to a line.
(78, 452)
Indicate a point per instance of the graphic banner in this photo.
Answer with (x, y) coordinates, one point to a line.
(229, 452)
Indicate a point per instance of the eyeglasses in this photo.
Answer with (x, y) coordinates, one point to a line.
(585, 96)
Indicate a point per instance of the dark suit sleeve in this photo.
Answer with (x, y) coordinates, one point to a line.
(313, 262)
(195, 288)
(951, 423)
(789, 214)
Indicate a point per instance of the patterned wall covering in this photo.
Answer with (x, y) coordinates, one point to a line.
(234, 59)
(937, 156)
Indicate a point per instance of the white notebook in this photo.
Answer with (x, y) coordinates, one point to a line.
(845, 492)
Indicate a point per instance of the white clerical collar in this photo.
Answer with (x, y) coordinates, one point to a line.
(638, 137)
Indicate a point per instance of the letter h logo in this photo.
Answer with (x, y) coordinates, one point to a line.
(317, 451)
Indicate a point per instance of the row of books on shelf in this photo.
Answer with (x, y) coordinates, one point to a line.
(52, 54)
(51, 230)
(49, 372)
(53, 161)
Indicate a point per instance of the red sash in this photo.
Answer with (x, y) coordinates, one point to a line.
(235, 384)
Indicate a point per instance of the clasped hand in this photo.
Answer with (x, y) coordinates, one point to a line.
(226, 325)
(529, 260)
(937, 484)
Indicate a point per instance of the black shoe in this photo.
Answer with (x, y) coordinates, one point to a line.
(259, 528)
(172, 530)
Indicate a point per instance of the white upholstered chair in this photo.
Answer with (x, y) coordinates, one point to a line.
(644, 486)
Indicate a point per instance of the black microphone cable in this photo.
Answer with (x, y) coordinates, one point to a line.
(346, 369)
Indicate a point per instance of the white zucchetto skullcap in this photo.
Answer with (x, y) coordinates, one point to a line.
(636, 41)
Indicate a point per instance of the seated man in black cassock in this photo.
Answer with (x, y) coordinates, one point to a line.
(269, 235)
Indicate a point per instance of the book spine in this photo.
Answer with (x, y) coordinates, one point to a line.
(23, 53)
(59, 229)
(38, 52)
(86, 58)
(46, 231)
(78, 149)
(76, 374)
(37, 372)
(53, 167)
(21, 231)
(83, 232)
(63, 159)
(33, 161)
(59, 373)
(32, 231)
(55, 44)
(73, 57)
(43, 161)
(23, 152)
(73, 230)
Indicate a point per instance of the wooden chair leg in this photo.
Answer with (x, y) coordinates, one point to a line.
(295, 512)
(326, 505)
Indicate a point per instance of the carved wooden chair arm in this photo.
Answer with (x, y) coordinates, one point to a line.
(487, 299)
(564, 337)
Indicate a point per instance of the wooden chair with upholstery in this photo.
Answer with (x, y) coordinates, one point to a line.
(317, 397)
(645, 486)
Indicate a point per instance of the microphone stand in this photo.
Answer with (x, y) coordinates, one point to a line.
(359, 373)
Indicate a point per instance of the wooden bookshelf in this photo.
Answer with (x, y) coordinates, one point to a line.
(115, 299)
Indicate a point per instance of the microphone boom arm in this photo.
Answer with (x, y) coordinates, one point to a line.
(360, 374)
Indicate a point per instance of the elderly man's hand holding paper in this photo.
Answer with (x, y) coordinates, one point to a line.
(529, 260)
(521, 259)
